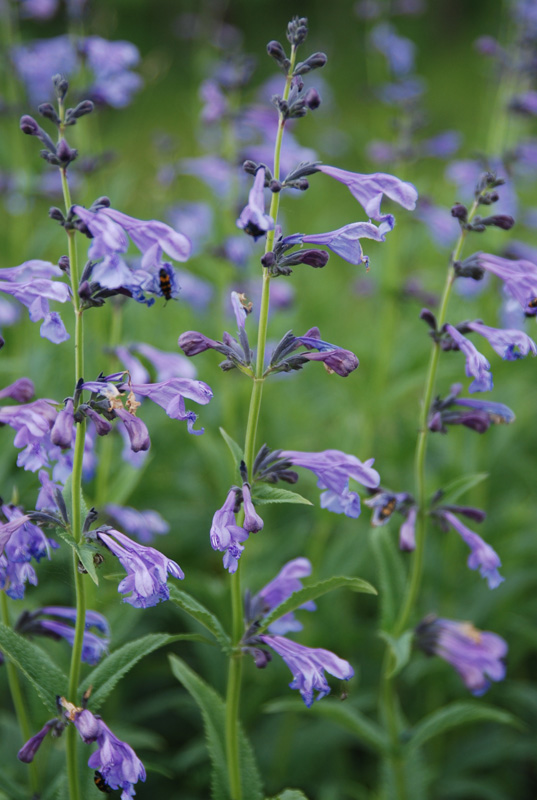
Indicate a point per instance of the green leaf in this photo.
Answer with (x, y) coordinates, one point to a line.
(236, 451)
(13, 791)
(196, 610)
(213, 711)
(110, 671)
(391, 575)
(400, 648)
(455, 714)
(347, 717)
(47, 679)
(461, 485)
(265, 493)
(298, 599)
(85, 553)
(289, 794)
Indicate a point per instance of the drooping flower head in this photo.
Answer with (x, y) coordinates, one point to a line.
(38, 623)
(477, 366)
(478, 415)
(253, 219)
(482, 556)
(225, 534)
(478, 656)
(287, 581)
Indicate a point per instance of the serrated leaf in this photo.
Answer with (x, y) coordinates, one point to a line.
(298, 599)
(461, 485)
(391, 575)
(236, 450)
(196, 610)
(110, 671)
(341, 714)
(400, 648)
(213, 711)
(454, 715)
(85, 553)
(45, 676)
(265, 493)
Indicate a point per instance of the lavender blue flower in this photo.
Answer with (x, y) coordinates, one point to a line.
(143, 525)
(93, 647)
(334, 468)
(170, 395)
(22, 390)
(29, 749)
(226, 535)
(510, 344)
(478, 656)
(110, 62)
(345, 241)
(167, 365)
(477, 366)
(307, 665)
(287, 581)
(37, 61)
(252, 521)
(31, 284)
(146, 568)
(407, 531)
(194, 220)
(253, 219)
(478, 415)
(22, 541)
(519, 277)
(32, 423)
(370, 189)
(482, 556)
(399, 51)
(214, 171)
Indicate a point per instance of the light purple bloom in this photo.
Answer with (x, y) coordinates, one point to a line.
(525, 103)
(167, 365)
(478, 656)
(307, 665)
(136, 429)
(253, 219)
(239, 309)
(226, 535)
(194, 220)
(22, 541)
(114, 83)
(143, 525)
(137, 371)
(370, 189)
(62, 431)
(441, 225)
(93, 647)
(32, 423)
(22, 390)
(217, 173)
(29, 749)
(215, 102)
(407, 531)
(147, 569)
(510, 344)
(37, 61)
(334, 468)
(482, 556)
(477, 366)
(170, 395)
(35, 293)
(287, 581)
(252, 521)
(345, 241)
(398, 50)
(519, 277)
(335, 359)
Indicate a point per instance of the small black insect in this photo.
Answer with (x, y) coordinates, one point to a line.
(533, 303)
(388, 509)
(101, 784)
(165, 283)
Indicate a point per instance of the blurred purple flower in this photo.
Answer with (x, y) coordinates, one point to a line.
(170, 395)
(114, 83)
(443, 145)
(22, 541)
(441, 225)
(466, 174)
(482, 556)
(510, 344)
(167, 365)
(93, 647)
(38, 9)
(147, 569)
(407, 531)
(195, 220)
(519, 277)
(226, 535)
(478, 656)
(37, 61)
(32, 285)
(345, 241)
(253, 219)
(215, 102)
(477, 365)
(525, 103)
(32, 423)
(333, 469)
(286, 582)
(398, 51)
(214, 171)
(143, 525)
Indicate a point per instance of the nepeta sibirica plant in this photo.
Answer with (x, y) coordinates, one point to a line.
(342, 693)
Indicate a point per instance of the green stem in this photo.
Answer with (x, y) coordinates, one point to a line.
(17, 698)
(235, 665)
(389, 709)
(76, 487)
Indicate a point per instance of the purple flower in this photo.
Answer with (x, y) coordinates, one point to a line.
(478, 656)
(114, 83)
(407, 531)
(253, 219)
(27, 752)
(477, 365)
(194, 220)
(226, 535)
(519, 277)
(335, 359)
(117, 762)
(37, 61)
(286, 582)
(167, 365)
(398, 50)
(143, 525)
(136, 430)
(32, 423)
(252, 521)
(215, 102)
(21, 541)
(482, 556)
(31, 285)
(307, 665)
(369, 190)
(62, 431)
(22, 390)
(170, 395)
(345, 241)
(93, 647)
(216, 172)
(333, 469)
(510, 344)
(478, 415)
(147, 569)
(525, 103)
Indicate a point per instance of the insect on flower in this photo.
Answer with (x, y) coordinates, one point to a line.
(101, 784)
(165, 283)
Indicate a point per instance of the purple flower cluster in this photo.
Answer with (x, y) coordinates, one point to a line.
(37, 623)
(482, 556)
(225, 534)
(20, 542)
(32, 284)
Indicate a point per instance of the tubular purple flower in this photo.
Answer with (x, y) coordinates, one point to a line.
(87, 724)
(253, 219)
(337, 360)
(307, 665)
(334, 468)
(193, 342)
(22, 390)
(226, 535)
(102, 426)
(407, 531)
(509, 343)
(519, 277)
(167, 365)
(143, 525)
(152, 238)
(28, 751)
(369, 190)
(482, 556)
(478, 656)
(117, 762)
(286, 582)
(477, 365)
(252, 521)
(345, 241)
(7, 529)
(146, 568)
(239, 309)
(62, 431)
(136, 429)
(170, 395)
(35, 295)
(93, 648)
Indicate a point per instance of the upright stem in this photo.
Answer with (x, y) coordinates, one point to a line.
(18, 700)
(76, 488)
(235, 664)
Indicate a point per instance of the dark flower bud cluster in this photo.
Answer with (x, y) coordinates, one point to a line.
(335, 359)
(275, 50)
(478, 415)
(269, 467)
(469, 268)
(297, 178)
(297, 30)
(298, 102)
(278, 262)
(61, 86)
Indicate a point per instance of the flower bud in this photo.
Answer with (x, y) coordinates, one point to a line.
(459, 211)
(48, 111)
(312, 99)
(29, 126)
(61, 86)
(275, 50)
